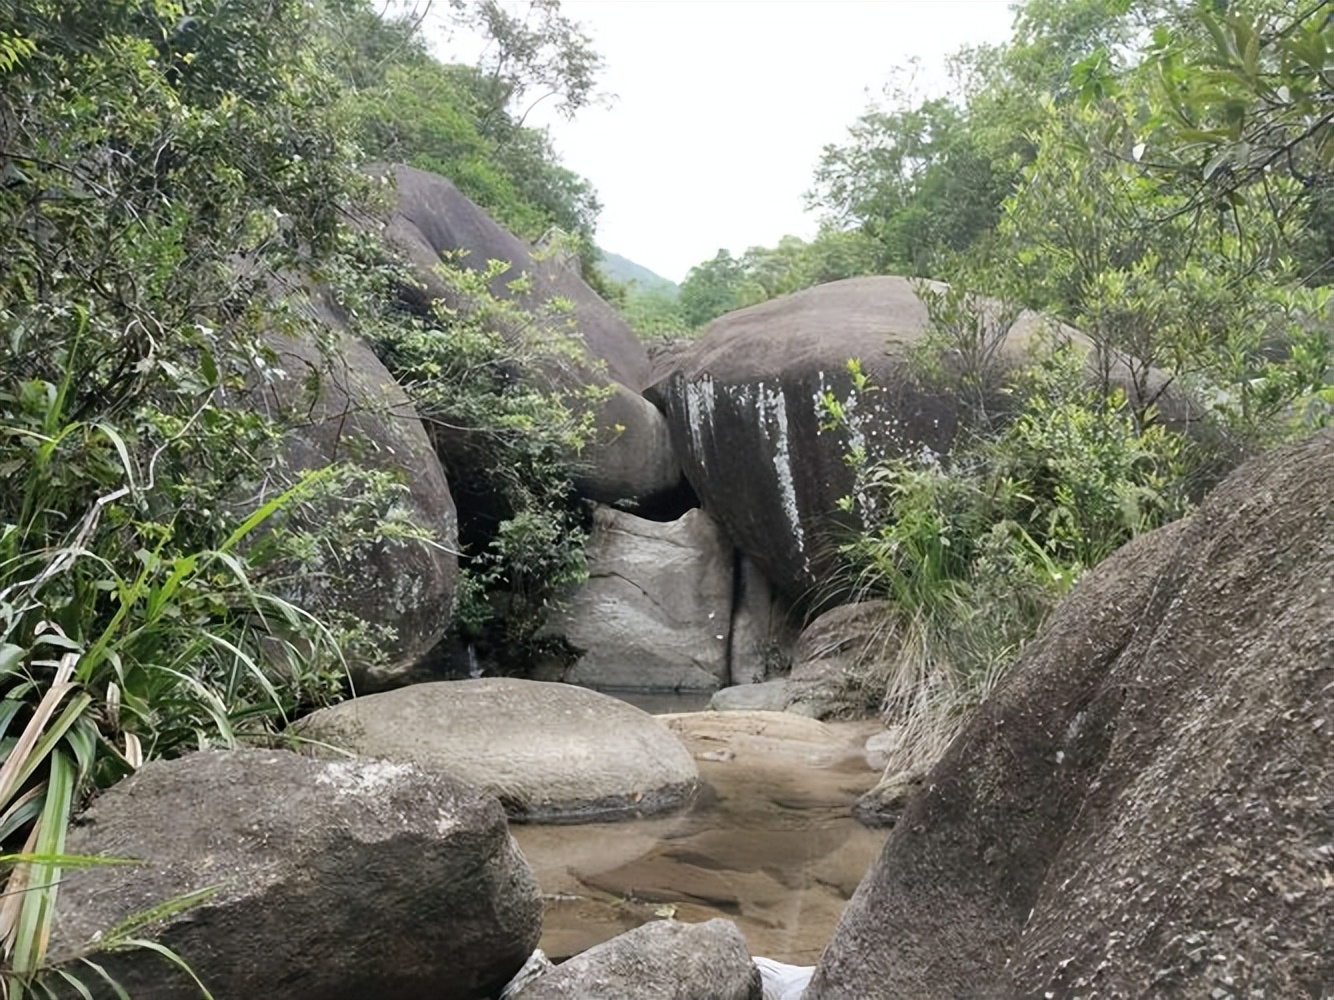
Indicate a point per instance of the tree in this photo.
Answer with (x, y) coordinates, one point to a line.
(913, 182)
(711, 289)
(466, 122)
(1252, 104)
(533, 56)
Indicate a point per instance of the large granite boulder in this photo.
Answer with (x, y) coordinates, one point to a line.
(333, 880)
(344, 406)
(744, 405)
(655, 612)
(662, 960)
(630, 460)
(1143, 806)
(552, 753)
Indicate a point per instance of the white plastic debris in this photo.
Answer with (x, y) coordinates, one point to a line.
(782, 981)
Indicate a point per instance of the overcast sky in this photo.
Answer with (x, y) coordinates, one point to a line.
(723, 106)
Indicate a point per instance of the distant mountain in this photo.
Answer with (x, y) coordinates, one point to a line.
(622, 269)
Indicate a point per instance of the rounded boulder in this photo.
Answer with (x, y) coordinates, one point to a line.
(552, 753)
(315, 880)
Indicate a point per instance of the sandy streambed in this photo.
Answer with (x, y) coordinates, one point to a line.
(770, 843)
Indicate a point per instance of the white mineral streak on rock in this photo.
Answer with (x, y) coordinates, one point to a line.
(699, 415)
(772, 409)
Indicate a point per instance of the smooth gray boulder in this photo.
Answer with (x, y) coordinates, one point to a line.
(661, 960)
(656, 610)
(765, 696)
(1142, 807)
(630, 461)
(336, 880)
(432, 217)
(552, 753)
(358, 414)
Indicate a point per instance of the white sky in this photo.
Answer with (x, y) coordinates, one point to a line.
(723, 106)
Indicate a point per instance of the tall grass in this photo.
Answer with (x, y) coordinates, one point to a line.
(121, 637)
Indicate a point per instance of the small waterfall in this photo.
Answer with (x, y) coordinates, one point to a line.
(474, 667)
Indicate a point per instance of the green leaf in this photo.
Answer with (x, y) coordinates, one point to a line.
(37, 911)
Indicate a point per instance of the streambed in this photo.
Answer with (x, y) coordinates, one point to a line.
(770, 843)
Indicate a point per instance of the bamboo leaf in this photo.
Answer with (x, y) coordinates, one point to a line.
(308, 481)
(43, 745)
(120, 935)
(76, 983)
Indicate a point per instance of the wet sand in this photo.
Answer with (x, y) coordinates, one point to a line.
(770, 843)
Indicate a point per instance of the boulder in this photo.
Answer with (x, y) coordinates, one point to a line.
(835, 662)
(362, 416)
(358, 414)
(552, 753)
(655, 612)
(333, 880)
(744, 404)
(631, 460)
(662, 960)
(761, 634)
(432, 217)
(1142, 807)
(764, 696)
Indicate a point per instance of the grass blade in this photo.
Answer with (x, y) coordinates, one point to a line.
(38, 909)
(171, 957)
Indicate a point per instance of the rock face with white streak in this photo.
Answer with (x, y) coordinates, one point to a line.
(744, 407)
(656, 610)
(744, 404)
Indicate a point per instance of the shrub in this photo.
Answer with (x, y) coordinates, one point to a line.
(974, 549)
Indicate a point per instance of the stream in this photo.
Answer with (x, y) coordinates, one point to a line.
(770, 842)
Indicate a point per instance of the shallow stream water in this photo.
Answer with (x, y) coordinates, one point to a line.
(770, 843)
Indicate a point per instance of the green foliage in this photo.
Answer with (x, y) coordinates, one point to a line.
(654, 313)
(913, 183)
(467, 122)
(485, 378)
(726, 283)
(973, 550)
(164, 175)
(1243, 99)
(1211, 303)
